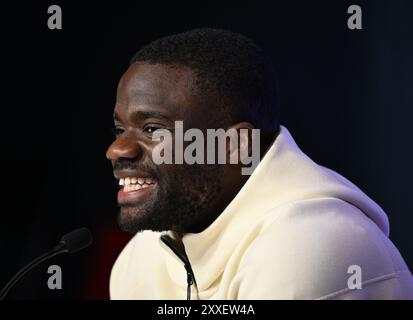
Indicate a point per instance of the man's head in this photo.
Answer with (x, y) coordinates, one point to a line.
(208, 79)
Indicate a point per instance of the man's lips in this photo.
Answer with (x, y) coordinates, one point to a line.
(135, 190)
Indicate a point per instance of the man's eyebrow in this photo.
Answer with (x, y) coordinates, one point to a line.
(143, 115)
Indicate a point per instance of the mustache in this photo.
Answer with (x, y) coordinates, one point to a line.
(125, 164)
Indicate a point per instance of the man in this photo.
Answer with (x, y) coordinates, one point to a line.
(291, 230)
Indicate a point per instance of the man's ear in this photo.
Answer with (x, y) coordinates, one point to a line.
(240, 141)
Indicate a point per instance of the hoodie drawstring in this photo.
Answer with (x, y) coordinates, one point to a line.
(180, 253)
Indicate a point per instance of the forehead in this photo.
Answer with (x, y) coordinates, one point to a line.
(158, 84)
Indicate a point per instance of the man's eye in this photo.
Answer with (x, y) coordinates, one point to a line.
(117, 131)
(150, 129)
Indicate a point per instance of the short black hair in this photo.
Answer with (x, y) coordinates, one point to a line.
(227, 65)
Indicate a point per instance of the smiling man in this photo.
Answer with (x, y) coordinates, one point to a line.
(291, 230)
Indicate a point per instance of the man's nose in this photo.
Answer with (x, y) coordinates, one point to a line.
(124, 147)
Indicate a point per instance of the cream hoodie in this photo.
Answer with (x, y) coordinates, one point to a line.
(296, 230)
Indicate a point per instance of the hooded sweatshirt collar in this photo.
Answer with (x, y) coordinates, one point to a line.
(284, 175)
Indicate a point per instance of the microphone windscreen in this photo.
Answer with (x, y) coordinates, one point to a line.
(76, 240)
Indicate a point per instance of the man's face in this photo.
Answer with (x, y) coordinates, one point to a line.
(177, 197)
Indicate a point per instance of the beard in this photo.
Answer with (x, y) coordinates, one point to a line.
(181, 202)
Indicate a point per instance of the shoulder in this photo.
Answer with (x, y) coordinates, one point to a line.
(144, 246)
(309, 249)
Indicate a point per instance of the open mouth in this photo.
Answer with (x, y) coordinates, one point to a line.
(135, 190)
(135, 183)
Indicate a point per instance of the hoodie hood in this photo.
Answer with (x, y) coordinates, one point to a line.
(285, 175)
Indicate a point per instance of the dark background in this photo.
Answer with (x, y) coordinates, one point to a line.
(346, 96)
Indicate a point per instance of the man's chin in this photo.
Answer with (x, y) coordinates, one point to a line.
(133, 220)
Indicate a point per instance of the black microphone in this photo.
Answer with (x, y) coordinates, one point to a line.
(70, 243)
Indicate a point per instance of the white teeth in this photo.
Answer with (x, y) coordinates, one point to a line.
(133, 187)
(135, 183)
